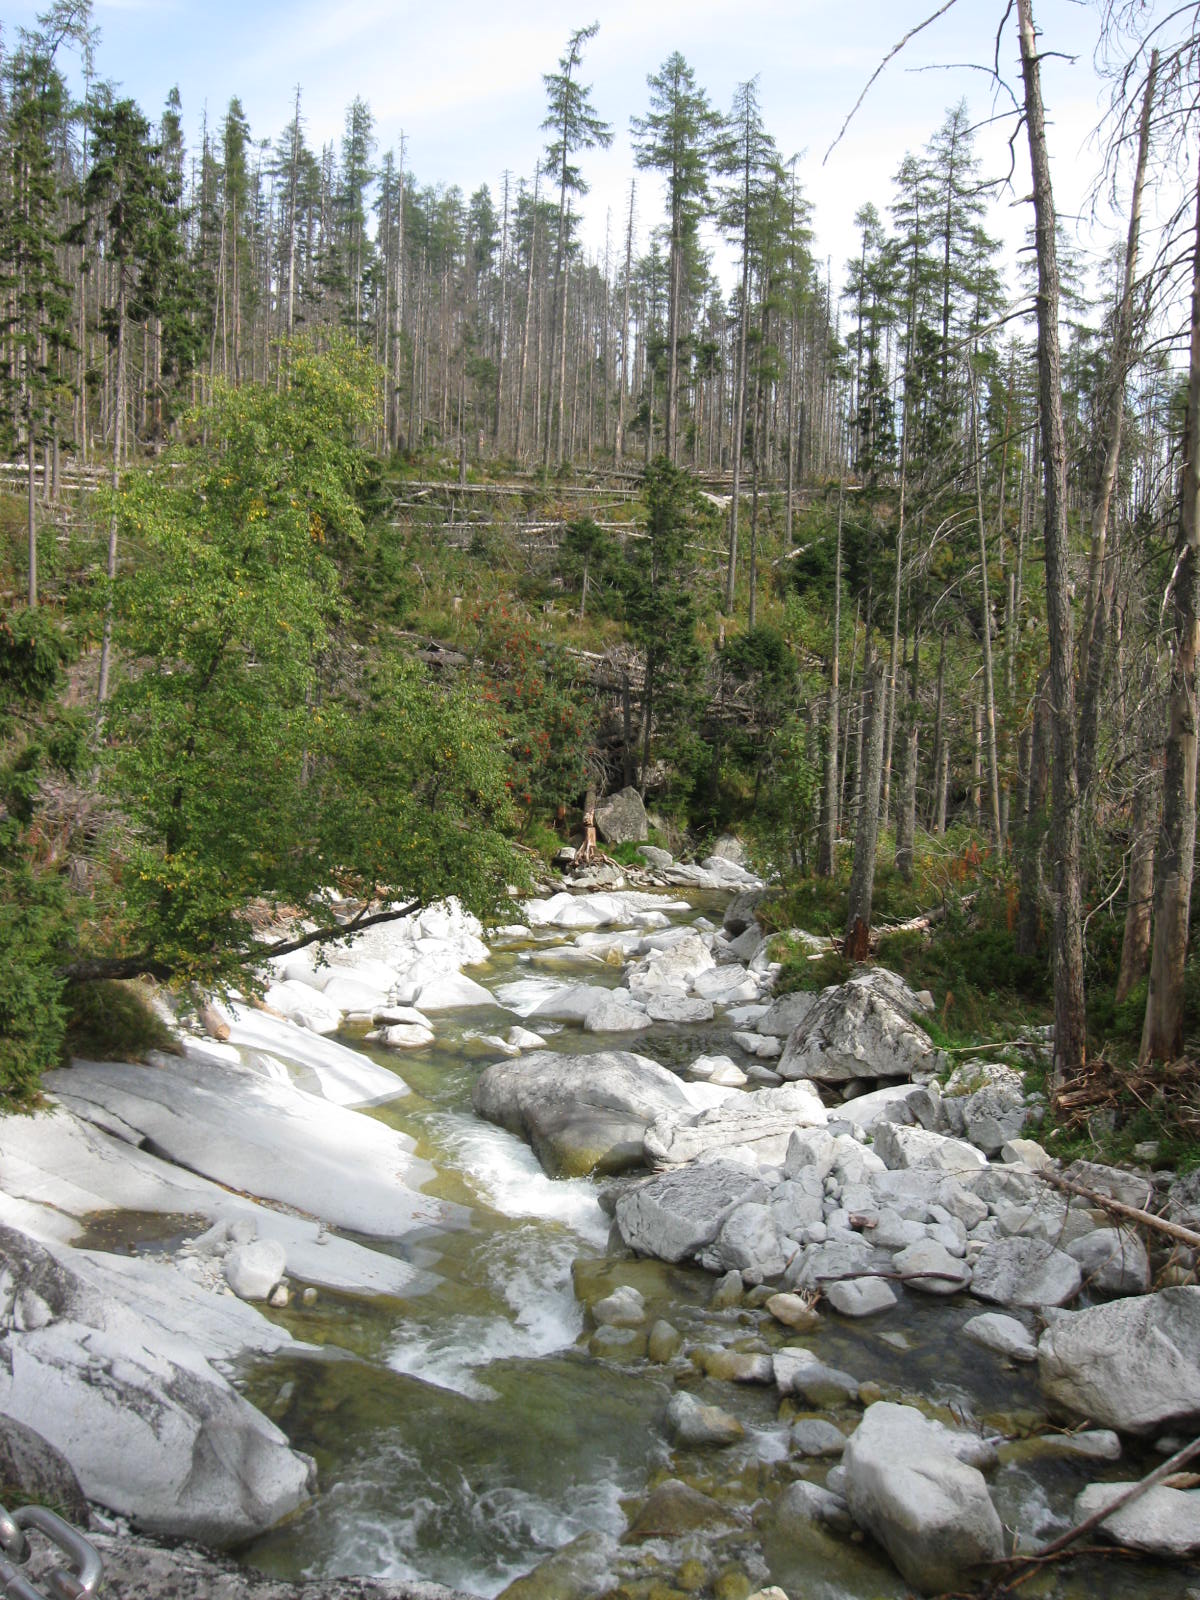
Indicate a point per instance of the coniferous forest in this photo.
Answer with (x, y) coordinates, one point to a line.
(360, 532)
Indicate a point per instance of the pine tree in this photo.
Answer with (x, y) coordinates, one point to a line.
(748, 158)
(573, 125)
(128, 198)
(676, 138)
(35, 323)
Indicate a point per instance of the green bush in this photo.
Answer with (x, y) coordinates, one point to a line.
(799, 970)
(32, 1016)
(112, 1021)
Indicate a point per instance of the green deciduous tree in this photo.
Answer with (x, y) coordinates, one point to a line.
(249, 752)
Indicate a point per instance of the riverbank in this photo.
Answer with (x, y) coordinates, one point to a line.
(813, 1185)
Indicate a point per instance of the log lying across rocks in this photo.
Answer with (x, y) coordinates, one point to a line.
(1172, 1230)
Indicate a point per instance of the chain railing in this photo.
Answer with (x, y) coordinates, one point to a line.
(77, 1580)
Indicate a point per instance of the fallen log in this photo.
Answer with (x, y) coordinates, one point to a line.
(1173, 1230)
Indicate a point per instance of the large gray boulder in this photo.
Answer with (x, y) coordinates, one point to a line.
(582, 1114)
(929, 1509)
(32, 1469)
(1025, 1272)
(670, 968)
(984, 1102)
(861, 1029)
(151, 1429)
(257, 1133)
(900, 1147)
(1133, 1364)
(621, 818)
(787, 1013)
(1163, 1522)
(674, 1216)
(763, 1122)
(1113, 1261)
(749, 1243)
(739, 913)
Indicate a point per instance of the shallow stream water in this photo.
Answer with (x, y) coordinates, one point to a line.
(465, 1434)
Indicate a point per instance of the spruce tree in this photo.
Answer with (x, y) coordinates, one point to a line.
(36, 315)
(675, 138)
(573, 125)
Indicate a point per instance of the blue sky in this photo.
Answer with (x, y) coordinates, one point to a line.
(463, 81)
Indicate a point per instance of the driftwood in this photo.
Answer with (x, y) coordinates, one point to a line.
(1173, 1230)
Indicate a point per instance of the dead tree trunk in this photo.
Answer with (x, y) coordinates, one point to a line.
(1070, 1018)
(1162, 1033)
(827, 851)
(862, 874)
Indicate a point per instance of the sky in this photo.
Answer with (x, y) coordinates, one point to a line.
(463, 82)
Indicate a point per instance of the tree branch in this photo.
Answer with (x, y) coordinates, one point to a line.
(93, 969)
(343, 930)
(1179, 1459)
(894, 51)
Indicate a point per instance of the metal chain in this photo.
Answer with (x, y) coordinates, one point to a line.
(78, 1581)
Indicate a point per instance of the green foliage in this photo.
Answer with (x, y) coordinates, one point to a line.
(540, 712)
(250, 751)
(660, 604)
(783, 821)
(982, 986)
(38, 742)
(111, 1021)
(33, 927)
(799, 970)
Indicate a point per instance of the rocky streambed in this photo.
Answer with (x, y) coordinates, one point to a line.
(578, 1264)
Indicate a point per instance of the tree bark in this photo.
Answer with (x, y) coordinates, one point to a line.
(1162, 1032)
(827, 853)
(989, 681)
(114, 486)
(906, 806)
(1135, 939)
(856, 942)
(1070, 1017)
(1094, 636)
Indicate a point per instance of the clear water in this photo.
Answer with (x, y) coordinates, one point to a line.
(464, 1435)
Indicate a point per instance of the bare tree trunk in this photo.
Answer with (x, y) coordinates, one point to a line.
(1032, 833)
(1162, 1033)
(623, 389)
(31, 511)
(739, 424)
(1100, 577)
(940, 746)
(989, 682)
(114, 484)
(855, 944)
(906, 807)
(1135, 941)
(849, 719)
(885, 798)
(827, 853)
(1070, 1017)
(528, 319)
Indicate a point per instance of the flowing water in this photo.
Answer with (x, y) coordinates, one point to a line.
(464, 1434)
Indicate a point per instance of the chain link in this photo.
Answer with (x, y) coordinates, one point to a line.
(78, 1581)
